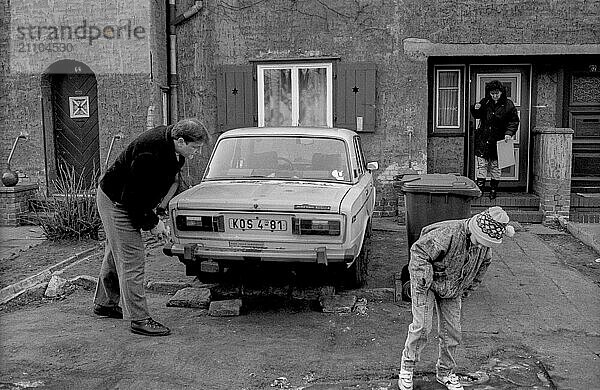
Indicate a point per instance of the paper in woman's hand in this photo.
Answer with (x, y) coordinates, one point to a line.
(506, 154)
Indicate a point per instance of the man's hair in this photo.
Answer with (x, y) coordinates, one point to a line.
(191, 130)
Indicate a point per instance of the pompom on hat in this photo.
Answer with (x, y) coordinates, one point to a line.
(490, 226)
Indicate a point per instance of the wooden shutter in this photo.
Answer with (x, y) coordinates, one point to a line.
(236, 97)
(355, 96)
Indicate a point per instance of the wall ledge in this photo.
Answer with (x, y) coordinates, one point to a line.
(552, 130)
(420, 49)
(18, 188)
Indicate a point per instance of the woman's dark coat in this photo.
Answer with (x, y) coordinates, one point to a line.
(497, 120)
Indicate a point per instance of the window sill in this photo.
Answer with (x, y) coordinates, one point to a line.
(447, 134)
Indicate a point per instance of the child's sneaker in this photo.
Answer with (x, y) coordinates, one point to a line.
(405, 380)
(450, 381)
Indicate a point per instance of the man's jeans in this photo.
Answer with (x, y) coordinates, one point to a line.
(122, 271)
(448, 313)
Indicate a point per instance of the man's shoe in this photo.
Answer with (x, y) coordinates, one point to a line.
(450, 381)
(405, 380)
(149, 327)
(108, 311)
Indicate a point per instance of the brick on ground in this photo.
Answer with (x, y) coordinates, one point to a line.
(226, 308)
(166, 287)
(340, 304)
(191, 297)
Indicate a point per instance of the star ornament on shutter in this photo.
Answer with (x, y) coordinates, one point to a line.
(79, 106)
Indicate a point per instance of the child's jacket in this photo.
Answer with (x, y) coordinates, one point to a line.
(445, 257)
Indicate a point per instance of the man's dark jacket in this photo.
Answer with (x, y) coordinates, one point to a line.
(497, 120)
(142, 175)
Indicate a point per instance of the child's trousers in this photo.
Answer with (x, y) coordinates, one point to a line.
(449, 330)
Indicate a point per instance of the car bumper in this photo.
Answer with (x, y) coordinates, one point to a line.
(239, 252)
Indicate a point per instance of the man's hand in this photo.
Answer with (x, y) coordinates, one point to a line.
(161, 231)
(507, 138)
(477, 106)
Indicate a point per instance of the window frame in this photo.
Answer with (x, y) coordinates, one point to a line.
(360, 160)
(293, 67)
(449, 129)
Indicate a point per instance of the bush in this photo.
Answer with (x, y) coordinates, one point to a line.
(70, 213)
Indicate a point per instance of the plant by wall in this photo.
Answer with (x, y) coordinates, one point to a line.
(71, 212)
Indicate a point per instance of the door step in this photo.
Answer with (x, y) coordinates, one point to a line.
(585, 207)
(520, 207)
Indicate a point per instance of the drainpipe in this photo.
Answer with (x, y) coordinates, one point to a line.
(193, 10)
(172, 61)
(172, 49)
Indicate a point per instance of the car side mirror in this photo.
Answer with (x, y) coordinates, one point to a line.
(372, 166)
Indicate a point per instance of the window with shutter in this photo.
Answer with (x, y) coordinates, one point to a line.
(355, 96)
(299, 94)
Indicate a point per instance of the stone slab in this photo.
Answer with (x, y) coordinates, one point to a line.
(166, 287)
(339, 304)
(191, 297)
(227, 308)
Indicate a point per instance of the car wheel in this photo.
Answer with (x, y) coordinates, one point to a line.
(405, 281)
(360, 269)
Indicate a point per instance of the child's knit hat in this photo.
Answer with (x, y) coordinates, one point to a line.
(490, 226)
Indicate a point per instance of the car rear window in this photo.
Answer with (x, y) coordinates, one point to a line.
(295, 158)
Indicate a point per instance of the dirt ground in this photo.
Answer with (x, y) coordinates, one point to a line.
(575, 254)
(275, 344)
(41, 256)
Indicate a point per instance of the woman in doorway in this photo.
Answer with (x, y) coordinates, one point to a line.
(499, 121)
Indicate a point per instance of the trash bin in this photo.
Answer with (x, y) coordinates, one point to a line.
(432, 198)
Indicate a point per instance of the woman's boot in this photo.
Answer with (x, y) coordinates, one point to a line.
(480, 183)
(494, 188)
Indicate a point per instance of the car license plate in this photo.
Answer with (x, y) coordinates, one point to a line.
(258, 224)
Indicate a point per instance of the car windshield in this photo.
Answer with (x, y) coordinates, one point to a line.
(295, 158)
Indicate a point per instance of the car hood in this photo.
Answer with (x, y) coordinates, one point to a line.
(264, 196)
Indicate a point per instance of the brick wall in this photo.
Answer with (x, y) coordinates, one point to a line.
(547, 87)
(446, 155)
(372, 31)
(552, 172)
(14, 202)
(129, 73)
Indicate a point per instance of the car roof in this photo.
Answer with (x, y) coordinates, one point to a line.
(291, 131)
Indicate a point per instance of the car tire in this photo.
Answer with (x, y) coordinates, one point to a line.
(359, 271)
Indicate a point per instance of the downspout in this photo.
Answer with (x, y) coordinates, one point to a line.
(193, 10)
(172, 61)
(172, 43)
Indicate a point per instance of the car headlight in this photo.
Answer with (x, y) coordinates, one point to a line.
(304, 226)
(200, 223)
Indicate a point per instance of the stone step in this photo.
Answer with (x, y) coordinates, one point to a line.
(584, 217)
(524, 216)
(518, 201)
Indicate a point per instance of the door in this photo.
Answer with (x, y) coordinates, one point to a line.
(516, 79)
(582, 114)
(76, 135)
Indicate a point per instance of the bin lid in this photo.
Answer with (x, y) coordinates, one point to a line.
(440, 183)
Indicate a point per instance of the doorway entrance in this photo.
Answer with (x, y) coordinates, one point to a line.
(582, 114)
(516, 80)
(70, 109)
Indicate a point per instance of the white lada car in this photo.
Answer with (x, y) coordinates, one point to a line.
(290, 195)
